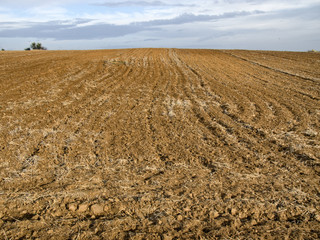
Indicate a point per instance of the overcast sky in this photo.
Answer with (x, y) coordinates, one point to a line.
(100, 24)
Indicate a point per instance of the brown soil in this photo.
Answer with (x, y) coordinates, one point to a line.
(159, 144)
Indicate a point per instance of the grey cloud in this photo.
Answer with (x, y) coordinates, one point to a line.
(57, 30)
(151, 39)
(71, 31)
(302, 13)
(143, 4)
(189, 18)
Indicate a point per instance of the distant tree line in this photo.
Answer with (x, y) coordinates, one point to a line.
(36, 46)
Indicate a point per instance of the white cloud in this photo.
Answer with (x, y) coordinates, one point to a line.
(40, 3)
(125, 11)
(144, 4)
(47, 13)
(162, 23)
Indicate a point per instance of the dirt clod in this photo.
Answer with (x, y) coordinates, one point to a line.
(180, 218)
(72, 207)
(97, 209)
(83, 207)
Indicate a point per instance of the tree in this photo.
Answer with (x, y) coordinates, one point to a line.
(33, 45)
(37, 46)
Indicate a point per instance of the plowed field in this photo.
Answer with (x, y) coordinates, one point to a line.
(159, 144)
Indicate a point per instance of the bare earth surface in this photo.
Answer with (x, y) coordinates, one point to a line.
(159, 144)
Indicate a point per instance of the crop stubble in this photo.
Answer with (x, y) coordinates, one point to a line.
(159, 144)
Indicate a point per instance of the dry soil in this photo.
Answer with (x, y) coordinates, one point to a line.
(159, 144)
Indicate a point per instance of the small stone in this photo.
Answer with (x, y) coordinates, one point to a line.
(256, 212)
(167, 237)
(233, 211)
(114, 209)
(283, 216)
(254, 222)
(243, 215)
(237, 223)
(57, 213)
(35, 217)
(215, 214)
(107, 208)
(24, 212)
(50, 231)
(179, 218)
(187, 209)
(72, 207)
(310, 133)
(97, 209)
(83, 207)
(271, 216)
